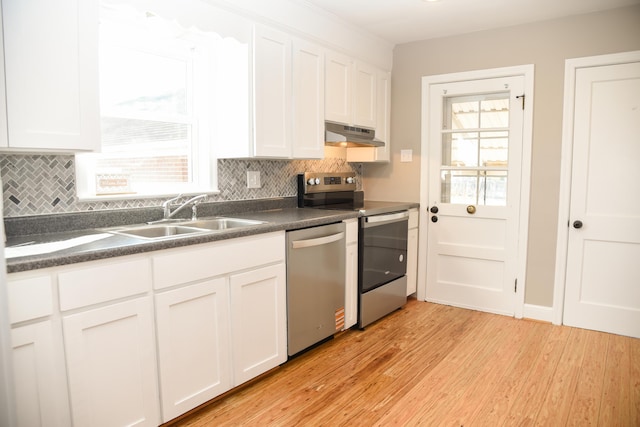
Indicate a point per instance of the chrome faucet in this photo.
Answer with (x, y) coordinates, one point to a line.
(166, 206)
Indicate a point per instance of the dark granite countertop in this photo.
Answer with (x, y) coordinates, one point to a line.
(278, 215)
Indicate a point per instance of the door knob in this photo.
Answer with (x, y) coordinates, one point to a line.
(577, 224)
(471, 209)
(434, 219)
(434, 209)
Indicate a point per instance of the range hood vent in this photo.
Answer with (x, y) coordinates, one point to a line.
(349, 136)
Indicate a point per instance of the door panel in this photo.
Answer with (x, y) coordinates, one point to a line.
(475, 150)
(603, 273)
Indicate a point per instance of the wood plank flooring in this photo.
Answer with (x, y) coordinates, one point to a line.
(430, 364)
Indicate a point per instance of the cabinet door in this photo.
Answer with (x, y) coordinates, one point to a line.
(51, 67)
(112, 366)
(351, 287)
(258, 321)
(308, 100)
(412, 261)
(39, 376)
(351, 282)
(272, 93)
(365, 100)
(193, 345)
(383, 106)
(338, 88)
(383, 123)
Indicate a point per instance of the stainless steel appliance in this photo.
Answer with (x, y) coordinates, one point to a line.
(315, 285)
(349, 136)
(382, 240)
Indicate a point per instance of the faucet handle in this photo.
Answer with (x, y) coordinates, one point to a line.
(194, 208)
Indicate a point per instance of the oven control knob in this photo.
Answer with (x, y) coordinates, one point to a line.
(313, 181)
(350, 180)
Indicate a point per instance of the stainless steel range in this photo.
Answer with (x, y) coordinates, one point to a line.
(382, 240)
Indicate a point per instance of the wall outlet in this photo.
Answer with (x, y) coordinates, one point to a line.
(253, 179)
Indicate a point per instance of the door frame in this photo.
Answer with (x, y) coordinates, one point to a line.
(566, 162)
(527, 72)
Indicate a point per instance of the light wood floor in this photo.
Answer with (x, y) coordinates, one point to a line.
(429, 364)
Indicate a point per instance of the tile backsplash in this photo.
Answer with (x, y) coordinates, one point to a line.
(45, 184)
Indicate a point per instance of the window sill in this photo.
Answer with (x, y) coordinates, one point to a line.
(111, 197)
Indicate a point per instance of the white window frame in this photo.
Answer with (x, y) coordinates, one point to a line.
(200, 108)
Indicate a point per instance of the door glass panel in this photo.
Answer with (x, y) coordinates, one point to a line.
(462, 114)
(494, 113)
(460, 149)
(459, 186)
(475, 150)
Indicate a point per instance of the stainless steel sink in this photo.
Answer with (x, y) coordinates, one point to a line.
(221, 223)
(183, 228)
(159, 231)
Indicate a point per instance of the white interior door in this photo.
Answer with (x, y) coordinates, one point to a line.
(475, 140)
(603, 253)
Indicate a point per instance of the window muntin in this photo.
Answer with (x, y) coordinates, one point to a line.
(475, 150)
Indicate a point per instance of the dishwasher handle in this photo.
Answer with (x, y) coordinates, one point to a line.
(319, 241)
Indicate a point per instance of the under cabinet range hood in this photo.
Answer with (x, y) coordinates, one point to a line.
(349, 136)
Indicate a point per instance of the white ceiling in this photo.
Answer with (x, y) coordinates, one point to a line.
(402, 21)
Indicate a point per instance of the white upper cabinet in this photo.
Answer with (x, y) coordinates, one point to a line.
(308, 100)
(383, 105)
(287, 101)
(51, 74)
(338, 88)
(351, 91)
(272, 93)
(364, 98)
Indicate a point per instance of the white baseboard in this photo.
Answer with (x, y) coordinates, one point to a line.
(538, 312)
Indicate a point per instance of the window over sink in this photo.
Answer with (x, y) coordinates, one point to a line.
(162, 79)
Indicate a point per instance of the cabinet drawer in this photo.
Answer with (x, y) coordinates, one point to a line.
(103, 282)
(217, 258)
(29, 298)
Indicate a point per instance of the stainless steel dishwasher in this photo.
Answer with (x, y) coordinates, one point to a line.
(315, 285)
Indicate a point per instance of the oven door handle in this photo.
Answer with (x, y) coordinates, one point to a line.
(372, 221)
(298, 244)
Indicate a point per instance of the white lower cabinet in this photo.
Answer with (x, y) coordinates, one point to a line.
(351, 282)
(193, 345)
(39, 376)
(412, 252)
(99, 356)
(258, 321)
(112, 365)
(220, 317)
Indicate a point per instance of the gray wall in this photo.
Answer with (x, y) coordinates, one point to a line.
(546, 45)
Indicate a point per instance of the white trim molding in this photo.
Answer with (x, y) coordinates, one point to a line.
(538, 312)
(566, 158)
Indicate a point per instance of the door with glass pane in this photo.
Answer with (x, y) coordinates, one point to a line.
(475, 146)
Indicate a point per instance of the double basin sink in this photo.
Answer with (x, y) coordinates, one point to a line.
(180, 228)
